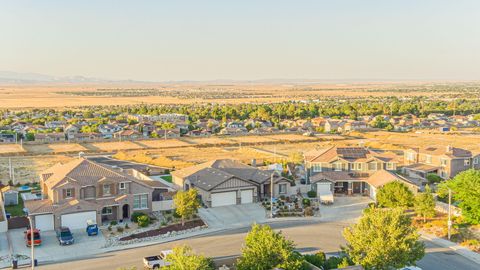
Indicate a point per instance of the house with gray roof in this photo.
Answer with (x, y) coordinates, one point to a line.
(228, 182)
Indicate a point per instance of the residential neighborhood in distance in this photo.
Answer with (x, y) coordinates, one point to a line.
(240, 135)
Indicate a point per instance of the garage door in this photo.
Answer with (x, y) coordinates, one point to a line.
(323, 188)
(78, 220)
(247, 196)
(224, 198)
(44, 222)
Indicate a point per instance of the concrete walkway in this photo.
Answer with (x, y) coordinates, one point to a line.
(460, 250)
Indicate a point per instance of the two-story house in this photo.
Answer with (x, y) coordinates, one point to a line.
(444, 161)
(82, 190)
(351, 170)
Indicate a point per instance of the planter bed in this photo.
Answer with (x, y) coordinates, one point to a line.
(163, 230)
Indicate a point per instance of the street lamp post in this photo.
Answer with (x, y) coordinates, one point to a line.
(449, 212)
(32, 243)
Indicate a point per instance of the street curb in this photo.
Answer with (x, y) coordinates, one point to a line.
(460, 250)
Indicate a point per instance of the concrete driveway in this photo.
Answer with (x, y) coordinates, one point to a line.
(344, 209)
(233, 215)
(50, 250)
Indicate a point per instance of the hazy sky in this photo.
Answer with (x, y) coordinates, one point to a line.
(204, 40)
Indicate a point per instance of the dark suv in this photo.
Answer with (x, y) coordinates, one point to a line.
(64, 236)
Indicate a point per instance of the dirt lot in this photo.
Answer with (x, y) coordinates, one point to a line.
(27, 169)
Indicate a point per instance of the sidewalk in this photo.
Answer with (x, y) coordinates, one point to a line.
(460, 250)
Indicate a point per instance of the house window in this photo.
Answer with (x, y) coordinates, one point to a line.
(282, 188)
(106, 189)
(411, 156)
(69, 193)
(122, 185)
(357, 166)
(443, 162)
(390, 166)
(466, 162)
(337, 166)
(475, 160)
(106, 211)
(140, 201)
(317, 167)
(428, 159)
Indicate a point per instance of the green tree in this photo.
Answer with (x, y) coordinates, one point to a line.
(465, 188)
(266, 249)
(383, 240)
(296, 157)
(425, 204)
(394, 194)
(186, 203)
(433, 178)
(183, 258)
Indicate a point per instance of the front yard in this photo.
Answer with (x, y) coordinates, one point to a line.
(462, 233)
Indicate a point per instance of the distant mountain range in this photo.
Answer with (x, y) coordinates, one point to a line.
(32, 78)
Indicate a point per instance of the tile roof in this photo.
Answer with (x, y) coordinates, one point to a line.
(351, 154)
(212, 173)
(452, 152)
(421, 167)
(84, 172)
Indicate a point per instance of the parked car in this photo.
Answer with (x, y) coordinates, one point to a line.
(157, 261)
(64, 236)
(36, 237)
(92, 228)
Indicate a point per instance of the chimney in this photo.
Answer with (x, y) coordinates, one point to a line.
(449, 148)
(254, 163)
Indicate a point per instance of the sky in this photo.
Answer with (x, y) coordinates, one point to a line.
(243, 40)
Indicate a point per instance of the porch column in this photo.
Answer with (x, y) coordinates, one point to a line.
(350, 188)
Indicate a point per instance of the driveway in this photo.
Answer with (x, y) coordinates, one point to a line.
(344, 209)
(233, 215)
(50, 250)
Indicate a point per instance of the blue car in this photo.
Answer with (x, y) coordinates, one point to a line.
(64, 236)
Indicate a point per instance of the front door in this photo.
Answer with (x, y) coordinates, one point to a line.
(125, 211)
(357, 187)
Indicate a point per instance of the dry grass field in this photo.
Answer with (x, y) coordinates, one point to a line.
(27, 169)
(11, 148)
(53, 148)
(66, 95)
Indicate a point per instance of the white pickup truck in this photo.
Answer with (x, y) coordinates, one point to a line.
(157, 261)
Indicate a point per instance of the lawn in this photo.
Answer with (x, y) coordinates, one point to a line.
(167, 178)
(16, 210)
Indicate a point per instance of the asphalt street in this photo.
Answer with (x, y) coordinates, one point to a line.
(309, 237)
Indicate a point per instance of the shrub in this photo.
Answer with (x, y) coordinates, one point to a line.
(176, 215)
(318, 259)
(163, 223)
(136, 215)
(309, 211)
(143, 221)
(306, 202)
(312, 194)
(119, 229)
(109, 228)
(126, 226)
(113, 223)
(433, 178)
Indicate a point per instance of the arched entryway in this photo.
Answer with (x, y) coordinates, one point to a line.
(125, 211)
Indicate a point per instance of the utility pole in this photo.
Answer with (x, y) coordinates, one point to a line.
(10, 168)
(449, 212)
(32, 243)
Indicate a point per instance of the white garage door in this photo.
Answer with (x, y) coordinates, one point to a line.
(44, 222)
(78, 220)
(324, 188)
(247, 196)
(224, 198)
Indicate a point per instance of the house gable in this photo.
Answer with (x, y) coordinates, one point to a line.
(233, 182)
